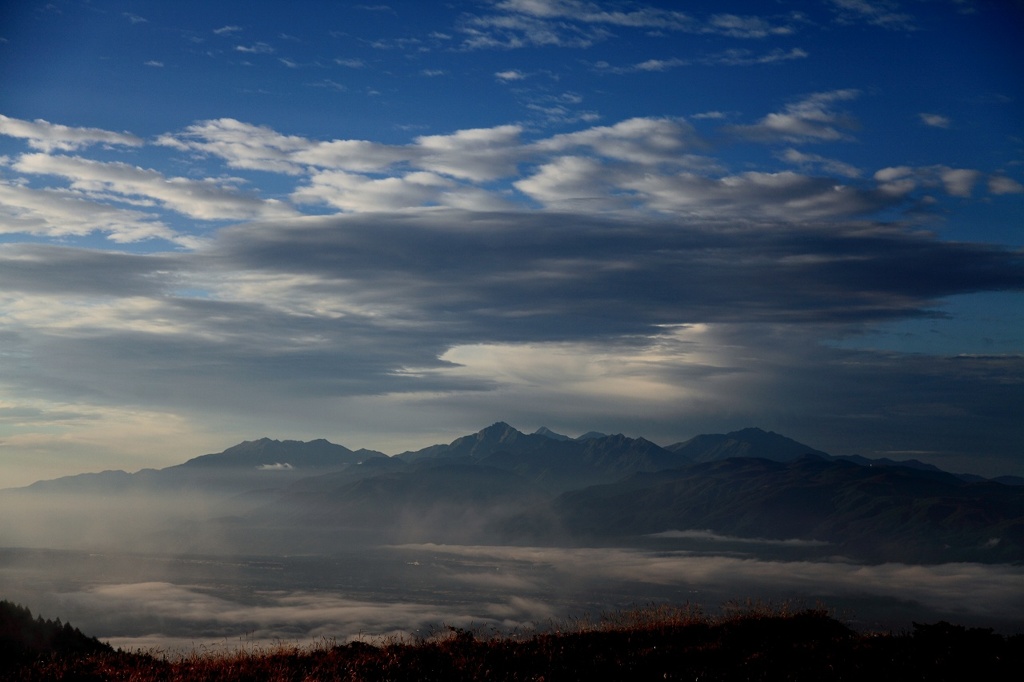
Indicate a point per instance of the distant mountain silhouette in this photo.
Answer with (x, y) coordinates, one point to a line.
(316, 454)
(502, 485)
(879, 514)
(749, 442)
(257, 464)
(554, 463)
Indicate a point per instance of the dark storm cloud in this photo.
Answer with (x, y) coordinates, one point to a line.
(46, 269)
(223, 356)
(566, 276)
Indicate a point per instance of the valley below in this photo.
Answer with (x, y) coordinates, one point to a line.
(502, 532)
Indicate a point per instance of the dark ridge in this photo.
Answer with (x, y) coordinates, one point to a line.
(24, 638)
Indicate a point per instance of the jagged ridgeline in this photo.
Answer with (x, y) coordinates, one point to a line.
(501, 485)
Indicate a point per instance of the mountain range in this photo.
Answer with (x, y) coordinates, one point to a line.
(501, 485)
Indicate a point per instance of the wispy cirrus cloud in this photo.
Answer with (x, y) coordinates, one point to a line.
(727, 58)
(883, 13)
(256, 48)
(578, 23)
(809, 162)
(736, 26)
(749, 58)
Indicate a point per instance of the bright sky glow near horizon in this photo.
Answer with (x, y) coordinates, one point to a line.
(392, 224)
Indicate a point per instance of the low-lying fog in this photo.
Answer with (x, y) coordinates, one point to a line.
(177, 572)
(185, 603)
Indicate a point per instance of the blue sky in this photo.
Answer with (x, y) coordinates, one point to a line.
(390, 224)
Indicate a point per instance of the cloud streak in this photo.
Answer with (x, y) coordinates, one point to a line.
(50, 137)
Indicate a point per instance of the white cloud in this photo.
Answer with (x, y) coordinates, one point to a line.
(959, 182)
(588, 12)
(478, 154)
(639, 140)
(713, 115)
(352, 192)
(49, 137)
(510, 75)
(974, 589)
(591, 377)
(811, 161)
(57, 214)
(517, 31)
(935, 120)
(745, 27)
(256, 48)
(733, 57)
(748, 58)
(883, 13)
(275, 467)
(650, 65)
(783, 196)
(574, 182)
(578, 23)
(242, 145)
(811, 119)
(203, 199)
(1000, 184)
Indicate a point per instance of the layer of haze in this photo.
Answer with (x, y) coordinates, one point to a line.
(187, 604)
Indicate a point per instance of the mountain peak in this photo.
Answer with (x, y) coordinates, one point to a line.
(548, 433)
(267, 451)
(498, 432)
(748, 442)
(498, 427)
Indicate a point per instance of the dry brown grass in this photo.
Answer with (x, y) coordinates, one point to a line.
(749, 641)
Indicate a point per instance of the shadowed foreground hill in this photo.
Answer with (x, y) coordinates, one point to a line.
(24, 639)
(658, 644)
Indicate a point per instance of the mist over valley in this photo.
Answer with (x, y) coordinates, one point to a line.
(288, 540)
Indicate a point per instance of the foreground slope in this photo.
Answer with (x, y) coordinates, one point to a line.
(661, 644)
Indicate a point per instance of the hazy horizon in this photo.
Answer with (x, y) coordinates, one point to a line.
(908, 456)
